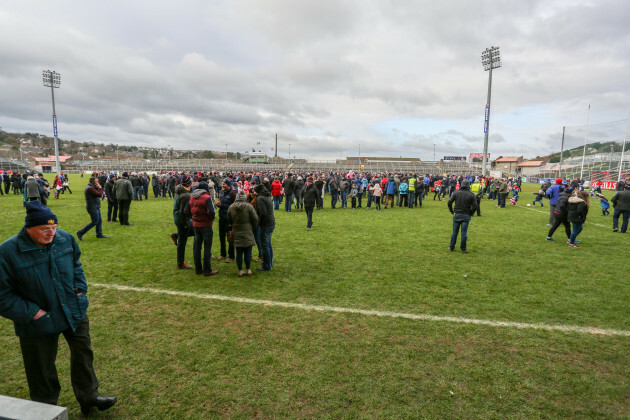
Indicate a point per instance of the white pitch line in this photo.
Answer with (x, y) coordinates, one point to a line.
(546, 212)
(417, 317)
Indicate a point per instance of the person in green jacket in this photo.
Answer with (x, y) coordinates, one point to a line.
(43, 291)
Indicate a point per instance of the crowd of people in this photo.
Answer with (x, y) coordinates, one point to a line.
(49, 299)
(33, 186)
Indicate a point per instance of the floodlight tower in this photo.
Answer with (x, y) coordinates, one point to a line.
(491, 59)
(52, 79)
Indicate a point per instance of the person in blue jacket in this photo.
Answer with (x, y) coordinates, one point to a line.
(43, 291)
(552, 194)
(390, 190)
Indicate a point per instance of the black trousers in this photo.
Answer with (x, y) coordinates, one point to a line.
(182, 240)
(223, 230)
(123, 211)
(112, 206)
(557, 221)
(39, 355)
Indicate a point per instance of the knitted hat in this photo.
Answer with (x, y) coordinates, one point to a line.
(241, 196)
(37, 214)
(309, 179)
(204, 186)
(259, 188)
(559, 181)
(187, 182)
(227, 181)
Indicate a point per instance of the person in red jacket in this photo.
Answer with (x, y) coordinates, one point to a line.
(276, 192)
(201, 208)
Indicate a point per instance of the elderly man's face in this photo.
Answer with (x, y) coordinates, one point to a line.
(42, 235)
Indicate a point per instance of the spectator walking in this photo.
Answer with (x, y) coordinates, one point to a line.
(93, 194)
(465, 206)
(577, 211)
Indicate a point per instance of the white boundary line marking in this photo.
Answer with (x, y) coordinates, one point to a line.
(546, 212)
(417, 317)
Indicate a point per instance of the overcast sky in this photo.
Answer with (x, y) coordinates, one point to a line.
(391, 78)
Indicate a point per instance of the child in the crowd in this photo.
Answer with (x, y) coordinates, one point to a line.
(539, 197)
(515, 190)
(353, 195)
(513, 200)
(605, 204)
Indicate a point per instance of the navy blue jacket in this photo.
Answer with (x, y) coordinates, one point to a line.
(50, 278)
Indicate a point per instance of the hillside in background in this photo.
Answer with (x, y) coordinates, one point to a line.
(38, 145)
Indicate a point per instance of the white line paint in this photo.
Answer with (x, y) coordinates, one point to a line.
(458, 320)
(547, 213)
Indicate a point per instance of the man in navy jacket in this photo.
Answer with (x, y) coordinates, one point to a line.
(43, 291)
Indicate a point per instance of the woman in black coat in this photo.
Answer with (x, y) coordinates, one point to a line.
(577, 211)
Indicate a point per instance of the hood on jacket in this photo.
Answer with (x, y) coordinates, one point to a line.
(575, 200)
(263, 191)
(238, 205)
(199, 192)
(181, 190)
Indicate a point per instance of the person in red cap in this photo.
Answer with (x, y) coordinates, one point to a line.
(552, 194)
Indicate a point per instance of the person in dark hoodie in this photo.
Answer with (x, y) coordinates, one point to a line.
(299, 187)
(226, 197)
(577, 211)
(621, 202)
(310, 201)
(289, 190)
(560, 214)
(465, 206)
(182, 221)
(267, 223)
(201, 208)
(112, 203)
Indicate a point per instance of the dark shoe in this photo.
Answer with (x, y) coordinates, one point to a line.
(185, 266)
(102, 237)
(79, 235)
(451, 249)
(115, 221)
(212, 273)
(262, 269)
(100, 402)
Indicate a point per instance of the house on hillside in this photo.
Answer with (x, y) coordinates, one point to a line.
(508, 164)
(529, 167)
